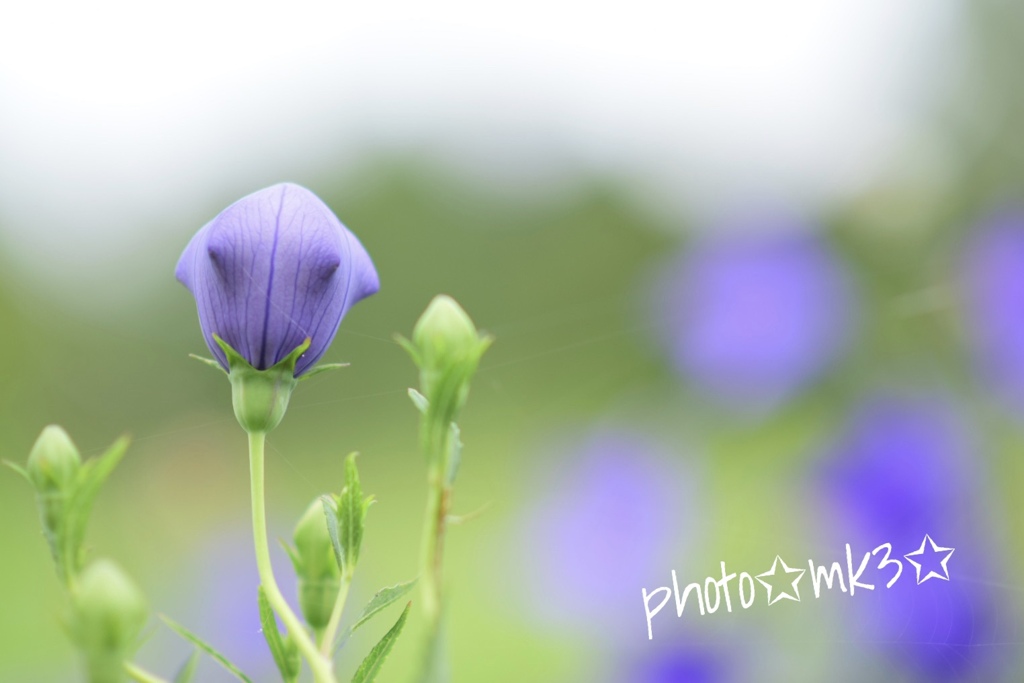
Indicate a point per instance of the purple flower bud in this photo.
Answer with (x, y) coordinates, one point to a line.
(271, 270)
(753, 318)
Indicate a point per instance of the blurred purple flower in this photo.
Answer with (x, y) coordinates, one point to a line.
(754, 317)
(994, 299)
(680, 664)
(271, 270)
(222, 605)
(902, 471)
(600, 528)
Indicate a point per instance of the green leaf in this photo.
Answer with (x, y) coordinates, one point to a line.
(370, 667)
(188, 670)
(351, 513)
(91, 478)
(205, 647)
(286, 654)
(419, 400)
(331, 512)
(382, 599)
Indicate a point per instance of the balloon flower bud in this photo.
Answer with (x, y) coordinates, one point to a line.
(54, 461)
(273, 275)
(447, 348)
(53, 467)
(108, 613)
(316, 566)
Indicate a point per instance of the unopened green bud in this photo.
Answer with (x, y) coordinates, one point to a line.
(316, 566)
(447, 348)
(444, 334)
(54, 461)
(108, 613)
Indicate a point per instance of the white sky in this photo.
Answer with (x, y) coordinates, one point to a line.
(116, 117)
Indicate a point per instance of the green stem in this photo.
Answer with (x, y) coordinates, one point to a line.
(432, 543)
(331, 631)
(320, 665)
(140, 675)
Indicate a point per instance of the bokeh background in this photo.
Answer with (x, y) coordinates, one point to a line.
(755, 270)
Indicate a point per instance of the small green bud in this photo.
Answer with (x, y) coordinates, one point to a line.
(447, 348)
(316, 566)
(108, 613)
(444, 334)
(54, 461)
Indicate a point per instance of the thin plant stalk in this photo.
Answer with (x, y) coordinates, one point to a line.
(321, 666)
(331, 630)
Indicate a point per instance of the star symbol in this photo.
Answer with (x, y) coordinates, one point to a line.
(786, 571)
(929, 559)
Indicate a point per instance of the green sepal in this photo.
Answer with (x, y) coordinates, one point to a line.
(293, 555)
(284, 650)
(208, 361)
(371, 666)
(260, 397)
(18, 468)
(419, 400)
(381, 599)
(323, 367)
(206, 647)
(188, 670)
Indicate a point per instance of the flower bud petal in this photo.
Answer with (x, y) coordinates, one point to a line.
(271, 270)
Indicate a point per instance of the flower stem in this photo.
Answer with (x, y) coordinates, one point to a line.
(432, 547)
(320, 665)
(140, 675)
(327, 638)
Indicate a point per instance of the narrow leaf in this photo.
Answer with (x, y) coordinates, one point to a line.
(287, 659)
(351, 512)
(370, 667)
(382, 599)
(188, 670)
(331, 512)
(205, 647)
(91, 478)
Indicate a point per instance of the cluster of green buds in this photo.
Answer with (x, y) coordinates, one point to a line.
(107, 610)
